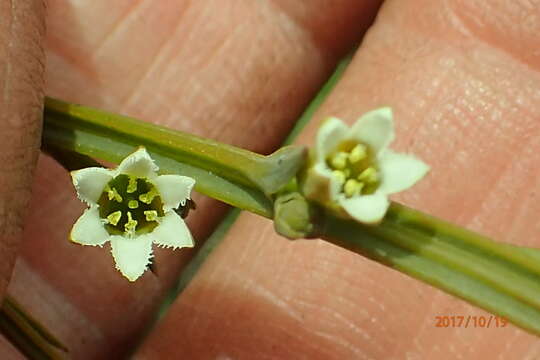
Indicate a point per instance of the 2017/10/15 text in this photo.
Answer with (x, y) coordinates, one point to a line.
(473, 321)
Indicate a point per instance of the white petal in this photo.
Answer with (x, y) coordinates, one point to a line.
(131, 255)
(368, 209)
(88, 229)
(325, 176)
(174, 190)
(323, 170)
(172, 232)
(138, 164)
(90, 182)
(375, 128)
(317, 184)
(399, 171)
(330, 134)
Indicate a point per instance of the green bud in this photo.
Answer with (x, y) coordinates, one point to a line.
(293, 216)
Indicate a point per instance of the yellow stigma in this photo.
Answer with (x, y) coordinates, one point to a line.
(339, 160)
(148, 197)
(114, 195)
(114, 217)
(132, 185)
(369, 175)
(133, 204)
(358, 153)
(151, 215)
(131, 224)
(352, 188)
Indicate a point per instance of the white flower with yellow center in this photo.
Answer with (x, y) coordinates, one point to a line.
(353, 171)
(133, 208)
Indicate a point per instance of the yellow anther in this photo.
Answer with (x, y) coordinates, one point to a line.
(358, 153)
(114, 217)
(339, 175)
(148, 197)
(352, 188)
(151, 215)
(131, 224)
(369, 175)
(133, 204)
(339, 160)
(132, 185)
(114, 195)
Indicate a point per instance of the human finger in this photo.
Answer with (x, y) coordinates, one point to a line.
(463, 83)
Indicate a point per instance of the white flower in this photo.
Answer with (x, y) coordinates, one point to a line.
(133, 208)
(353, 170)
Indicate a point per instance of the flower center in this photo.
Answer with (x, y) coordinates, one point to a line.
(130, 205)
(353, 165)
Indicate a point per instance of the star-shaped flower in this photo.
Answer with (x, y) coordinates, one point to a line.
(133, 208)
(353, 171)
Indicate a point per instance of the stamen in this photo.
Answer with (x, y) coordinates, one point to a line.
(339, 160)
(148, 197)
(358, 153)
(340, 176)
(114, 195)
(369, 175)
(114, 217)
(131, 224)
(133, 204)
(132, 185)
(352, 188)
(151, 215)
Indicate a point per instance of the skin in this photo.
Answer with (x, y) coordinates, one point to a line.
(21, 99)
(462, 78)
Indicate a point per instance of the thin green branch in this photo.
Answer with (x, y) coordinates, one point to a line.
(31, 338)
(500, 278)
(235, 176)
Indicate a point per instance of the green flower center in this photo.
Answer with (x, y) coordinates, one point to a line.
(130, 205)
(352, 163)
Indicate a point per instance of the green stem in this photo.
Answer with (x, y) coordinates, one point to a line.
(31, 338)
(500, 278)
(235, 176)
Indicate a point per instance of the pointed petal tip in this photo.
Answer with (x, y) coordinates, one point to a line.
(382, 113)
(400, 171)
(138, 163)
(131, 256)
(386, 112)
(375, 128)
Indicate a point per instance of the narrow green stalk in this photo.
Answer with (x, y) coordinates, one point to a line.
(235, 176)
(499, 278)
(32, 339)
